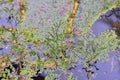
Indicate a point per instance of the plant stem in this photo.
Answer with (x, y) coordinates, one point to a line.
(71, 18)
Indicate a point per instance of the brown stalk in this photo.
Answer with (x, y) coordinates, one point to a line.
(71, 18)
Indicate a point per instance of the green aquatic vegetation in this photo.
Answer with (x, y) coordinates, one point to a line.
(56, 48)
(90, 11)
(91, 50)
(60, 53)
(55, 41)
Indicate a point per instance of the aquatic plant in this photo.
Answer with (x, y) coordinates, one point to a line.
(34, 56)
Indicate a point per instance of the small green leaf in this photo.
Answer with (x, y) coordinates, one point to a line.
(119, 58)
(23, 72)
(10, 1)
(65, 66)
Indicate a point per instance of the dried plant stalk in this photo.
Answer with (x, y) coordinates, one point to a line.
(22, 9)
(71, 17)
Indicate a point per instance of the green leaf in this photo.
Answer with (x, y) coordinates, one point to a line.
(10, 1)
(23, 72)
(40, 64)
(118, 58)
(65, 66)
(32, 53)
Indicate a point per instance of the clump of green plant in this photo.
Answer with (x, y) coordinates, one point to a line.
(18, 63)
(87, 50)
(25, 61)
(92, 49)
